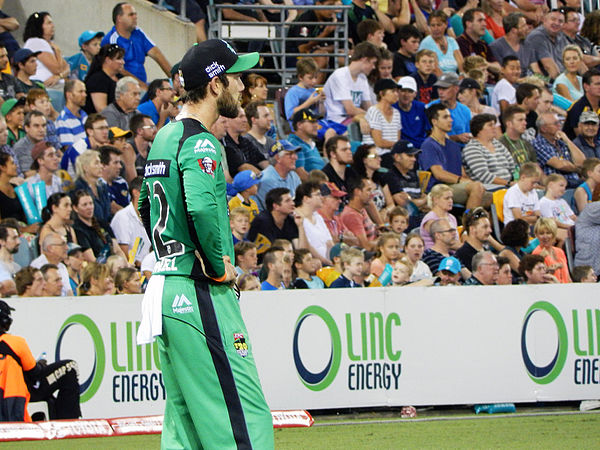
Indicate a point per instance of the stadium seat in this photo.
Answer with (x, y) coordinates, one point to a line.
(354, 132)
(497, 211)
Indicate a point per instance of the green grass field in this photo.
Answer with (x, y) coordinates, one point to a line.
(577, 431)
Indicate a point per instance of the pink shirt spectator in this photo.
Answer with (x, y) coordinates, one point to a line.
(358, 222)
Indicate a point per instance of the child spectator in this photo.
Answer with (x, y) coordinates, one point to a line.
(352, 264)
(371, 31)
(404, 58)
(552, 205)
(248, 282)
(521, 200)
(590, 171)
(329, 274)
(398, 218)
(13, 111)
(476, 62)
(584, 274)
(245, 184)
(388, 252)
(424, 76)
(402, 273)
(239, 219)
(555, 259)
(74, 263)
(504, 93)
(39, 100)
(246, 260)
(89, 43)
(305, 267)
(414, 248)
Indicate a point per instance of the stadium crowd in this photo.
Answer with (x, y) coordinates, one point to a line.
(448, 117)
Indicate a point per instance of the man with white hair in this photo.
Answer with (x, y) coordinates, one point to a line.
(127, 99)
(485, 270)
(54, 251)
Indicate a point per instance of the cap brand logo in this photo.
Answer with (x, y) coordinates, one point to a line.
(230, 48)
(214, 69)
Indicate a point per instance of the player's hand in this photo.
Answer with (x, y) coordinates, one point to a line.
(230, 272)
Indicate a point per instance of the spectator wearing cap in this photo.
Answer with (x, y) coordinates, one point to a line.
(126, 34)
(128, 227)
(9, 86)
(444, 240)
(449, 272)
(547, 42)
(306, 130)
(470, 41)
(461, 115)
(277, 221)
(119, 139)
(587, 139)
(241, 152)
(403, 181)
(245, 184)
(347, 93)
(53, 250)
(143, 132)
(35, 131)
(89, 45)
(96, 130)
(332, 198)
(485, 269)
(589, 102)
(469, 94)
(308, 200)
(260, 121)
(69, 124)
(24, 67)
(45, 161)
(556, 153)
(479, 231)
(413, 118)
(384, 120)
(160, 105)
(443, 158)
(112, 164)
(281, 174)
(512, 43)
(13, 111)
(355, 217)
(127, 99)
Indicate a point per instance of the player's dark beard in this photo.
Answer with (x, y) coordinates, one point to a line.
(227, 105)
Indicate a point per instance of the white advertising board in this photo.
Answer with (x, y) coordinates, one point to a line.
(350, 347)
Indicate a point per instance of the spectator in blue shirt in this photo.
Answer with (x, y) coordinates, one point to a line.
(69, 124)
(306, 128)
(412, 113)
(447, 85)
(275, 261)
(352, 262)
(126, 34)
(160, 105)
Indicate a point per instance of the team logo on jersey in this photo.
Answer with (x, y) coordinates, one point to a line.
(208, 165)
(239, 343)
(157, 168)
(204, 145)
(182, 305)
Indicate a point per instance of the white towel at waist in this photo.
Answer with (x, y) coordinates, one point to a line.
(151, 325)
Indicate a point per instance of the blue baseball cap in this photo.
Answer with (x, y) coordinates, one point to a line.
(88, 35)
(283, 145)
(23, 54)
(450, 264)
(242, 181)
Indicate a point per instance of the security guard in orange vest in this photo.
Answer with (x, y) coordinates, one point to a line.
(22, 378)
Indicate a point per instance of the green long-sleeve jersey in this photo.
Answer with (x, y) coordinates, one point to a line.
(183, 202)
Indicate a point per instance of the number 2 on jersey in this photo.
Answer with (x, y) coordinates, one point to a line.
(169, 248)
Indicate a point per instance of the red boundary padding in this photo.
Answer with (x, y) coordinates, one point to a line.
(120, 426)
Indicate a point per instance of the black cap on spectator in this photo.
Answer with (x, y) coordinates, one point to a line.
(383, 84)
(404, 147)
(304, 114)
(469, 83)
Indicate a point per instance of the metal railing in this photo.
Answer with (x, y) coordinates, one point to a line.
(274, 34)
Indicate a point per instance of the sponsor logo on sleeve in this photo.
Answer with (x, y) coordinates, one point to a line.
(239, 343)
(208, 165)
(157, 168)
(204, 145)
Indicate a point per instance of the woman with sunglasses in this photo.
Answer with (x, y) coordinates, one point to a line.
(102, 77)
(52, 68)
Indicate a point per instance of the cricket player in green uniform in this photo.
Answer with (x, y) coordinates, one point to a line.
(214, 397)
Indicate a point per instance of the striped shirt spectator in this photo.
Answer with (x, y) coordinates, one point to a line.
(69, 124)
(484, 165)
